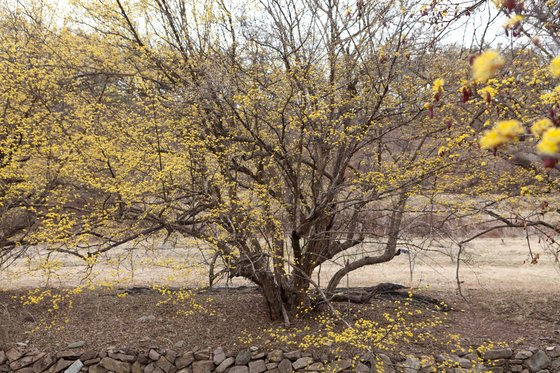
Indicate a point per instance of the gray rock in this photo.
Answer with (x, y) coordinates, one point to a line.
(137, 367)
(75, 367)
(523, 354)
(219, 356)
(60, 365)
(257, 366)
(77, 344)
(270, 366)
(553, 352)
(13, 354)
(24, 370)
(501, 353)
(3, 357)
(455, 360)
(203, 366)
(143, 358)
(88, 355)
(275, 356)
(43, 364)
(171, 356)
(516, 368)
(411, 365)
(253, 348)
(315, 367)
(123, 357)
(555, 365)
(494, 369)
(225, 364)
(384, 364)
(338, 366)
(154, 355)
(538, 361)
(258, 355)
(115, 365)
(164, 364)
(243, 357)
(185, 360)
(274, 370)
(360, 367)
(239, 369)
(285, 366)
(152, 368)
(25, 361)
(203, 354)
(68, 354)
(292, 355)
(96, 369)
(89, 362)
(302, 362)
(427, 362)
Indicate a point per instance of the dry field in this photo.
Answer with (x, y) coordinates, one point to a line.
(492, 264)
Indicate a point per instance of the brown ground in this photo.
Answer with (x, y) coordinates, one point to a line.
(102, 319)
(509, 300)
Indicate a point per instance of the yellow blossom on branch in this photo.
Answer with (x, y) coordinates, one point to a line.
(488, 93)
(550, 142)
(438, 85)
(486, 65)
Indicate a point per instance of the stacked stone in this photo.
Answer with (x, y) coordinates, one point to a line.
(533, 360)
(22, 359)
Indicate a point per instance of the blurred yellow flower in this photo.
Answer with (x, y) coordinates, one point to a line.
(513, 21)
(503, 132)
(490, 140)
(486, 65)
(540, 126)
(555, 67)
(550, 143)
(509, 129)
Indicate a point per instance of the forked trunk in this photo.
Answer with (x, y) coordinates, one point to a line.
(284, 300)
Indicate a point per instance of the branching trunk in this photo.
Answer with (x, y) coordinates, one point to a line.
(388, 254)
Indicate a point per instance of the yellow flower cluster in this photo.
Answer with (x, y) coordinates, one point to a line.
(555, 67)
(550, 142)
(486, 65)
(541, 126)
(438, 86)
(503, 132)
(488, 93)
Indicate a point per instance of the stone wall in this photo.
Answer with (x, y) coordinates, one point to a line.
(76, 358)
